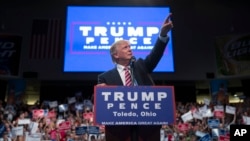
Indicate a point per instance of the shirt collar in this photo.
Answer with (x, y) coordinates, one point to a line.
(120, 68)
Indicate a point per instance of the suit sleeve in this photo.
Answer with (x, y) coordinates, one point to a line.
(100, 79)
(155, 55)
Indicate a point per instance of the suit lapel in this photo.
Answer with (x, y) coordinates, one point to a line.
(116, 78)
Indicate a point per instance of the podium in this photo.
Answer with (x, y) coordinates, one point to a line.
(134, 113)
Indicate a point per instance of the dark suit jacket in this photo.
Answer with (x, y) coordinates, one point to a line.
(142, 67)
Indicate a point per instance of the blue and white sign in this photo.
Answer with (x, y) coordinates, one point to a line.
(213, 123)
(138, 105)
(207, 137)
(81, 130)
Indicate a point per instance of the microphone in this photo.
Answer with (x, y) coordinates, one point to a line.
(132, 60)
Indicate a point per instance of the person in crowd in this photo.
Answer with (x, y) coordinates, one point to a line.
(222, 95)
(46, 135)
(92, 138)
(122, 56)
(10, 111)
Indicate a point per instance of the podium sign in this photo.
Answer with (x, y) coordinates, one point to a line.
(137, 105)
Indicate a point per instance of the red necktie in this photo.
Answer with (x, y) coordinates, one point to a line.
(128, 80)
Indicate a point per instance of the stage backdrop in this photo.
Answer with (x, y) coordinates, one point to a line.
(233, 55)
(10, 50)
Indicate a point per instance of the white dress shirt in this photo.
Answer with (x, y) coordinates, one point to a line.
(121, 71)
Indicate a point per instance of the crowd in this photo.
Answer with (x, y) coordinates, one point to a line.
(49, 120)
(54, 121)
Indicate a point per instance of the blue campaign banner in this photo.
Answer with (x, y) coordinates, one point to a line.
(94, 130)
(81, 130)
(207, 137)
(90, 33)
(213, 123)
(137, 105)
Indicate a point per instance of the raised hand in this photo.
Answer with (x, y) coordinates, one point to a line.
(166, 26)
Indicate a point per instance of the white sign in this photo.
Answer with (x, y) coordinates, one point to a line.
(17, 131)
(33, 127)
(218, 108)
(230, 110)
(23, 121)
(187, 116)
(203, 109)
(33, 137)
(197, 115)
(246, 120)
(207, 113)
(206, 101)
(71, 100)
(53, 104)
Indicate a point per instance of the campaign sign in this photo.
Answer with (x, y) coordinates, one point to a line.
(33, 137)
(215, 133)
(183, 127)
(52, 114)
(136, 105)
(88, 116)
(205, 138)
(66, 125)
(81, 130)
(38, 113)
(213, 123)
(94, 130)
(219, 114)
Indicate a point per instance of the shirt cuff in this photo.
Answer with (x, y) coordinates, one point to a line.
(163, 39)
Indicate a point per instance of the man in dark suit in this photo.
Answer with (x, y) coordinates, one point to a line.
(121, 54)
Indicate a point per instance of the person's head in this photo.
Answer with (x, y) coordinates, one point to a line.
(92, 138)
(21, 115)
(121, 52)
(47, 129)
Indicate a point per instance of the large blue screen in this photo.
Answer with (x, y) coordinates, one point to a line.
(91, 30)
